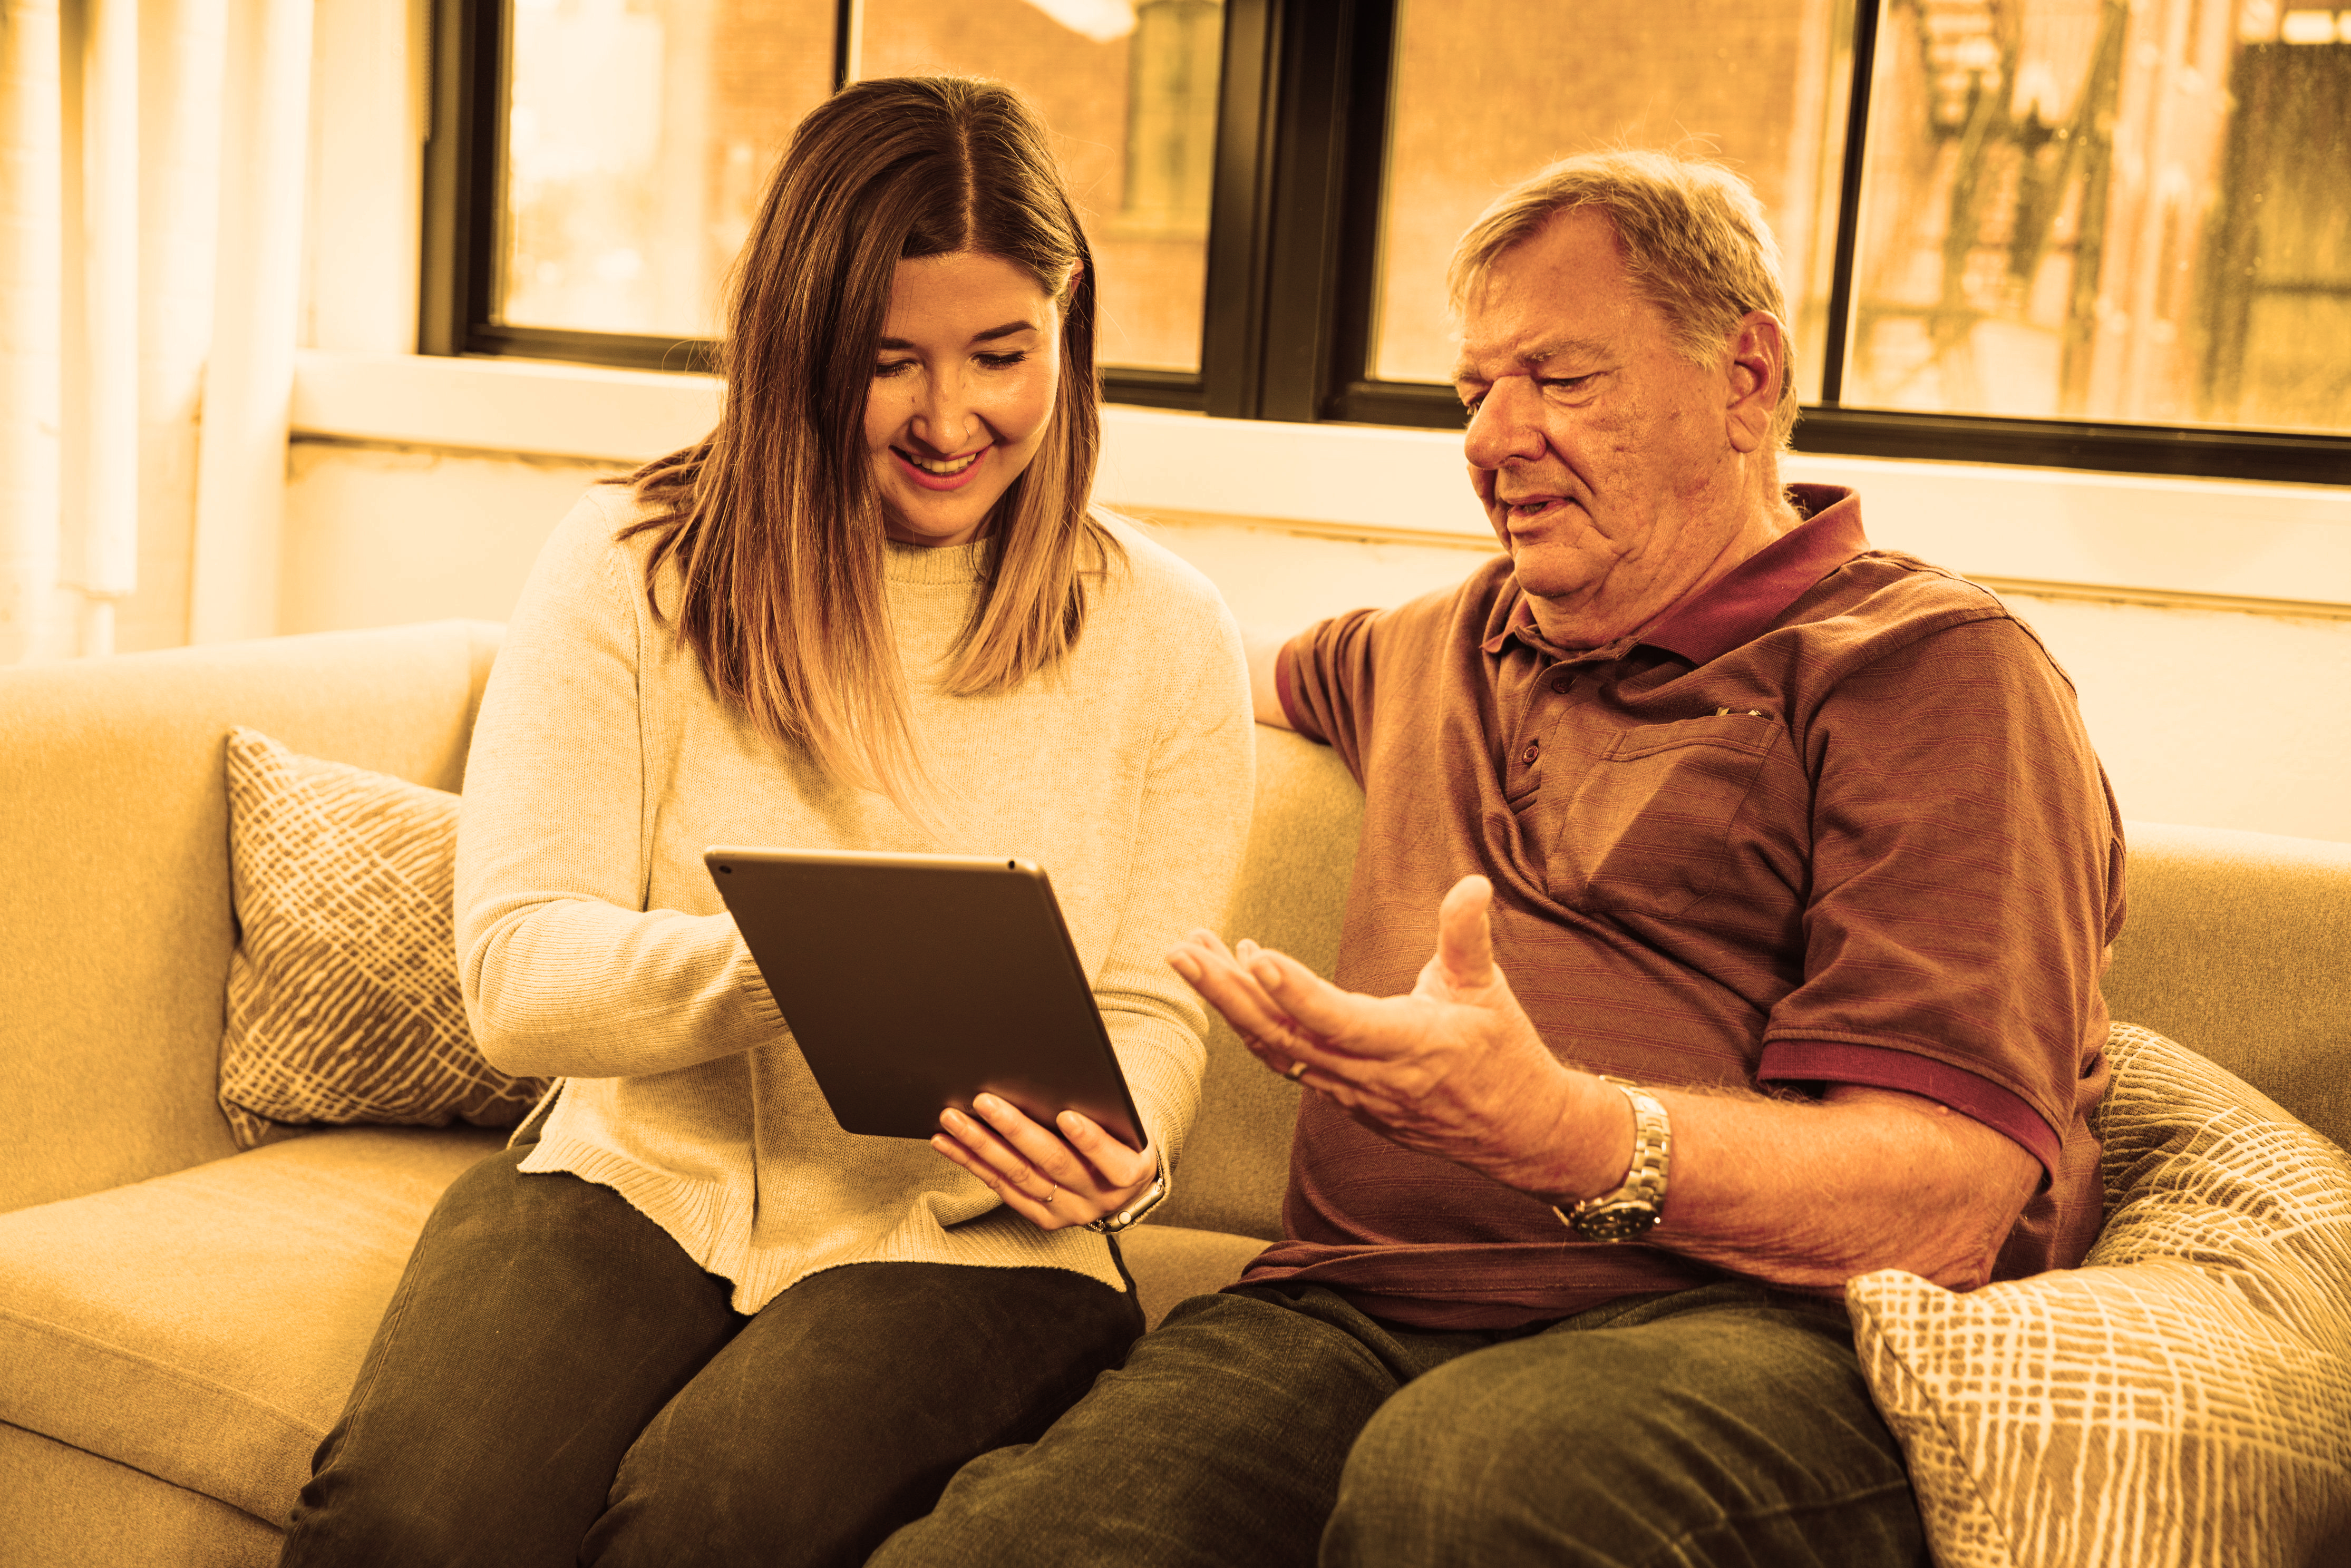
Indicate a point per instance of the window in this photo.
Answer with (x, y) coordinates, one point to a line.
(2098, 233)
(2083, 209)
(1461, 133)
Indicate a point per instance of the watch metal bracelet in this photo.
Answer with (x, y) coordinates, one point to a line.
(1636, 1205)
(1146, 1200)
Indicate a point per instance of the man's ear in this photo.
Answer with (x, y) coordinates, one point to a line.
(1759, 361)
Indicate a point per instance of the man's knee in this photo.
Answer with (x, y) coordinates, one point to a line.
(1620, 1446)
(1447, 1470)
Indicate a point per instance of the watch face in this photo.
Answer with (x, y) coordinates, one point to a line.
(1615, 1222)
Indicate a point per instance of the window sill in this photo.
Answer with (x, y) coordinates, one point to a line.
(2286, 549)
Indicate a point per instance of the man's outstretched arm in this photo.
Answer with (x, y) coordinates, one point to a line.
(1803, 1194)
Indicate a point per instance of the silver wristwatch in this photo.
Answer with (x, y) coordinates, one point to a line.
(1149, 1198)
(1632, 1209)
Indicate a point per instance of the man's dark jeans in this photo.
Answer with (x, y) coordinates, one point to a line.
(1728, 1424)
(557, 1381)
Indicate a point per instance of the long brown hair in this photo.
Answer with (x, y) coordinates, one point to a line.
(774, 521)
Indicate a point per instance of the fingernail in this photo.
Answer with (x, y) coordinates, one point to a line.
(1072, 1122)
(1246, 948)
(987, 1104)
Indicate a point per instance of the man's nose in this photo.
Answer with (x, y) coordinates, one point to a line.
(1506, 425)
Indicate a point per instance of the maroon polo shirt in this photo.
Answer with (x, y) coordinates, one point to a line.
(1835, 819)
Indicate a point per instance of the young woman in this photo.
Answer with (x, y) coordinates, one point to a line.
(686, 1318)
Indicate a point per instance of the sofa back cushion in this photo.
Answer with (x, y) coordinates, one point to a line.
(1302, 852)
(2238, 946)
(114, 943)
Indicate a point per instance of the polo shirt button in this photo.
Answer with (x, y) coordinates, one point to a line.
(1534, 751)
(1560, 684)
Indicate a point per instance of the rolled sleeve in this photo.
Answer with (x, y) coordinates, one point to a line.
(1963, 847)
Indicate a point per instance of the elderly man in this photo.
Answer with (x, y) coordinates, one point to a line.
(1800, 870)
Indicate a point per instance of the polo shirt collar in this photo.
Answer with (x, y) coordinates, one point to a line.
(1742, 604)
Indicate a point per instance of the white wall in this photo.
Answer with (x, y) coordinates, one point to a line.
(2219, 718)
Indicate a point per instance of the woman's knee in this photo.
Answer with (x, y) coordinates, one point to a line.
(693, 1490)
(347, 1519)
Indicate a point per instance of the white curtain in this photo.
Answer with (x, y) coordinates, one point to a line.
(150, 187)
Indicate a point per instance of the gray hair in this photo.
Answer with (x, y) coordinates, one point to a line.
(1692, 236)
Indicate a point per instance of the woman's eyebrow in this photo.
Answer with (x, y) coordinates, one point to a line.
(1007, 331)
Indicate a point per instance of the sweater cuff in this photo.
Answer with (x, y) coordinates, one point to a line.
(1152, 1053)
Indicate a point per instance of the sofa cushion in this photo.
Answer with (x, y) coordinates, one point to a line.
(2240, 943)
(343, 1001)
(1294, 879)
(66, 1509)
(2183, 1398)
(1169, 1262)
(114, 955)
(206, 1326)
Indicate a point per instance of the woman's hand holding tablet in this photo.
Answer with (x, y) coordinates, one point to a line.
(1073, 1174)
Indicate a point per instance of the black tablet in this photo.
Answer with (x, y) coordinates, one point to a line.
(913, 982)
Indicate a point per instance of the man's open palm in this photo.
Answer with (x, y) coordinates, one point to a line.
(1455, 1068)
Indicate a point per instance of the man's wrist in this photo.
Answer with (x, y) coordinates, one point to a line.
(1594, 1144)
(1633, 1208)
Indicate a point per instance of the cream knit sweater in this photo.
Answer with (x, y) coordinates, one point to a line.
(593, 947)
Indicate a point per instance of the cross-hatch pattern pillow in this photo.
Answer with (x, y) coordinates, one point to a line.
(343, 1004)
(2184, 1398)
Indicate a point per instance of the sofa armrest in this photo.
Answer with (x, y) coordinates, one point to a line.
(116, 931)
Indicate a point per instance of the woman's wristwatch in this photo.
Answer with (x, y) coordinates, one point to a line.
(1632, 1209)
(1149, 1198)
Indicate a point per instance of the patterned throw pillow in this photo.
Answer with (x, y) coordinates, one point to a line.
(343, 993)
(2182, 1398)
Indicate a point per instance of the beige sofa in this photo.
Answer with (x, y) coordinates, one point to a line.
(179, 1322)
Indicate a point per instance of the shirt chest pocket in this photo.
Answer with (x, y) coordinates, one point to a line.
(1647, 830)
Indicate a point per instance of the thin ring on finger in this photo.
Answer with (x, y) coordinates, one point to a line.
(1294, 1071)
(1049, 1196)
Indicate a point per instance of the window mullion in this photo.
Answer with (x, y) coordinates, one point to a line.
(1848, 229)
(1313, 176)
(461, 174)
(1232, 345)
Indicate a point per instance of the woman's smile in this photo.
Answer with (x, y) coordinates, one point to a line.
(943, 473)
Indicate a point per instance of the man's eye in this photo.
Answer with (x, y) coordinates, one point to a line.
(1562, 383)
(1003, 361)
(1470, 401)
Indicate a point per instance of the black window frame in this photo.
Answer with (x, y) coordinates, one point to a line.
(1292, 262)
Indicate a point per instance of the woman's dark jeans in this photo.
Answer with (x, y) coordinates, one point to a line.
(555, 1381)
